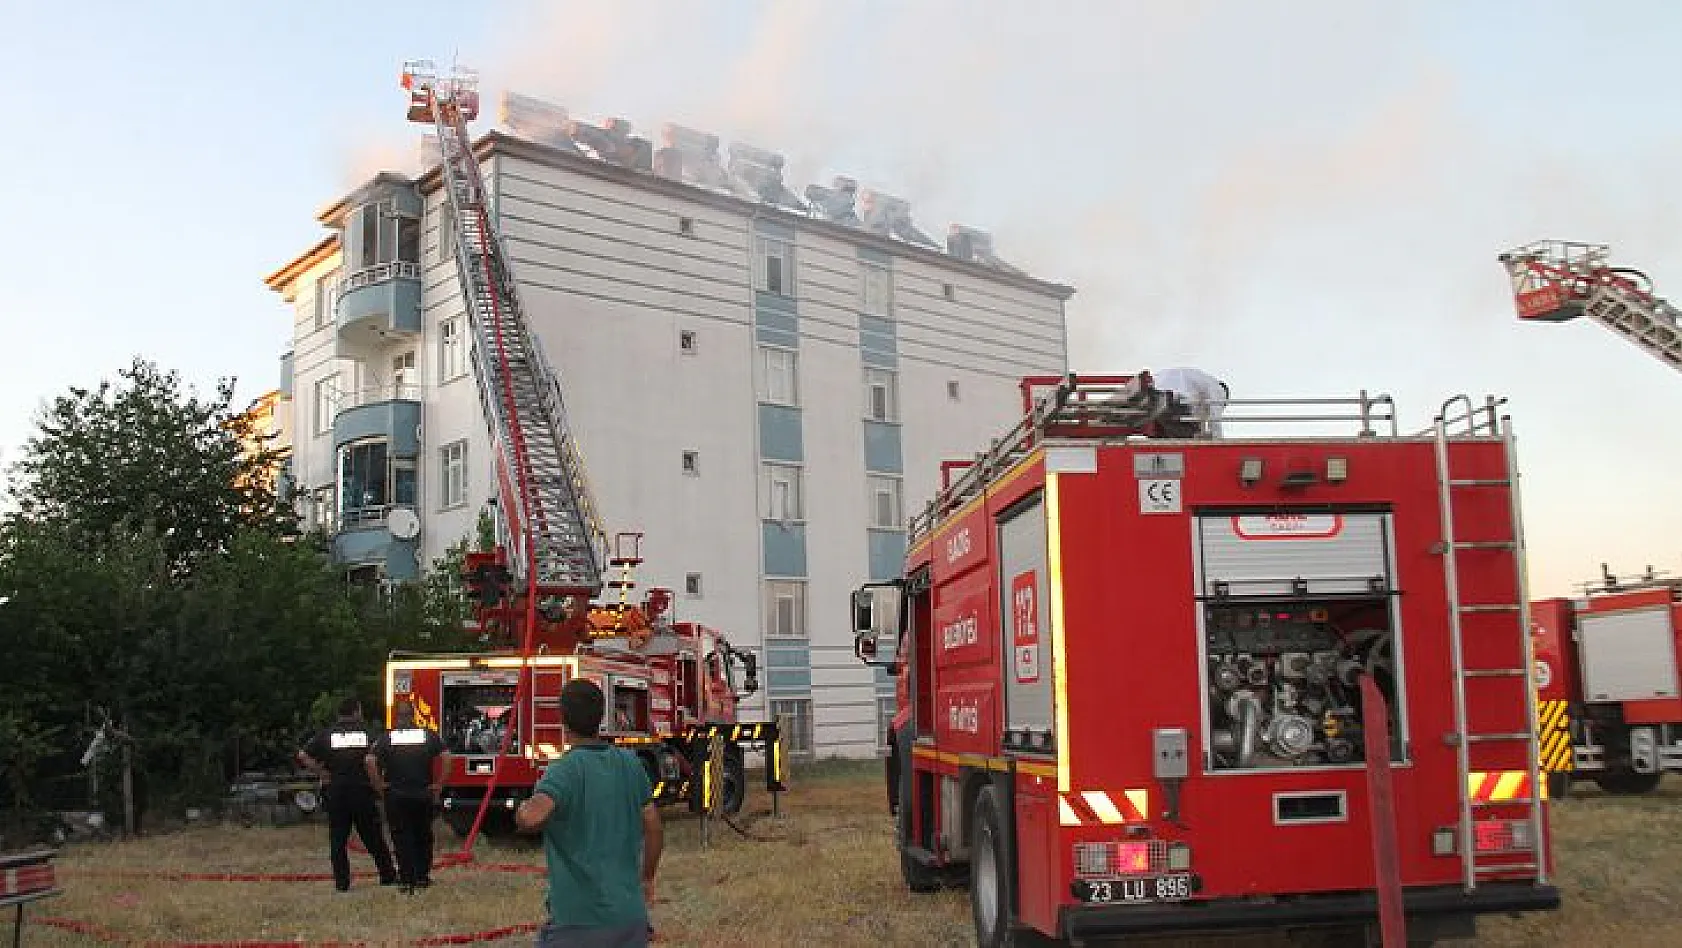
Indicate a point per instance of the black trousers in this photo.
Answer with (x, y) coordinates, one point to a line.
(411, 835)
(355, 806)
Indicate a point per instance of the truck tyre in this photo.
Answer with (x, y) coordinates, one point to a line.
(918, 877)
(989, 875)
(735, 780)
(1627, 782)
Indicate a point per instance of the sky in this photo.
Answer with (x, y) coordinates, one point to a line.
(1305, 198)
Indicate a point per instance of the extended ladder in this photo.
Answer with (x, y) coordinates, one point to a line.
(1491, 672)
(1557, 280)
(547, 516)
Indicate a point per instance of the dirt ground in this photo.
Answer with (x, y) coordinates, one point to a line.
(828, 876)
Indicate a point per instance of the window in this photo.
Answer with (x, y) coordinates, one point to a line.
(785, 609)
(886, 708)
(885, 503)
(875, 290)
(403, 482)
(779, 377)
(326, 403)
(881, 395)
(325, 286)
(796, 715)
(692, 462)
(367, 229)
(692, 585)
(686, 341)
(686, 226)
(782, 492)
(452, 349)
(383, 236)
(952, 390)
(453, 464)
(404, 381)
(408, 239)
(319, 512)
(948, 291)
(446, 232)
(774, 269)
(363, 481)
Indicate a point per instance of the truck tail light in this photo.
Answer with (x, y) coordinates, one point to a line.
(1133, 858)
(1503, 836)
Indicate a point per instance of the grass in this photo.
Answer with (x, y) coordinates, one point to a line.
(829, 877)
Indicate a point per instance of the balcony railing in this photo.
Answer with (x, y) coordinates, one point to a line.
(374, 394)
(378, 273)
(372, 515)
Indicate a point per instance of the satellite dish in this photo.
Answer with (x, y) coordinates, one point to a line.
(403, 523)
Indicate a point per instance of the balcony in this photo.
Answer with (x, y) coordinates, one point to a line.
(369, 536)
(389, 412)
(379, 302)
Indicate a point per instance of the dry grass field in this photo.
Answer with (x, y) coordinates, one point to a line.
(828, 878)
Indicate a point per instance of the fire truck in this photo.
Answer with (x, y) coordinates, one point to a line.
(1610, 709)
(1153, 681)
(1606, 667)
(671, 686)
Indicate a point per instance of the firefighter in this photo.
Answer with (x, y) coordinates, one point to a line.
(336, 754)
(1201, 396)
(400, 768)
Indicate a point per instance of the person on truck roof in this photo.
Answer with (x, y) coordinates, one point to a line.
(1203, 397)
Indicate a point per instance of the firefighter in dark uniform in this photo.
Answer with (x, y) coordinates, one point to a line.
(400, 765)
(337, 754)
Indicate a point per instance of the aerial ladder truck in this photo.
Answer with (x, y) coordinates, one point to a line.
(1609, 667)
(670, 686)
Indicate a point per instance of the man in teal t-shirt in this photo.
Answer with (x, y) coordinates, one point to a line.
(601, 833)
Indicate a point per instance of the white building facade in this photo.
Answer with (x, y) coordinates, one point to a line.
(763, 386)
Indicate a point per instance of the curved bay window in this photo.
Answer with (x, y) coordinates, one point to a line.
(371, 482)
(378, 234)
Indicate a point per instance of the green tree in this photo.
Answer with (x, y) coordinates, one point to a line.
(147, 450)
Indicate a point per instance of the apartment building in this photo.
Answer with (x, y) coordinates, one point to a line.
(762, 383)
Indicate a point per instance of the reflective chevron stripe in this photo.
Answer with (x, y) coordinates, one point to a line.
(1103, 807)
(1553, 732)
(1499, 786)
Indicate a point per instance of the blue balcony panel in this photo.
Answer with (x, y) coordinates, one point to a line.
(369, 543)
(397, 420)
(379, 302)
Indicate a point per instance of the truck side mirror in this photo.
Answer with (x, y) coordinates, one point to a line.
(876, 609)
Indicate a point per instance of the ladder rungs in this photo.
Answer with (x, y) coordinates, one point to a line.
(1485, 545)
(1506, 736)
(1494, 672)
(1491, 607)
(1480, 482)
(1516, 801)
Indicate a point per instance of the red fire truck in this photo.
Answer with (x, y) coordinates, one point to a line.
(1138, 673)
(670, 686)
(1610, 709)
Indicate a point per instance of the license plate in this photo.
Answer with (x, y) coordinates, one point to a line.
(1157, 889)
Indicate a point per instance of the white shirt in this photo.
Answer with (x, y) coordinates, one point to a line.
(1201, 392)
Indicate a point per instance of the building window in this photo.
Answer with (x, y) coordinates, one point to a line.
(452, 349)
(326, 403)
(325, 286)
(686, 226)
(453, 473)
(785, 609)
(364, 482)
(687, 341)
(692, 585)
(405, 382)
(886, 708)
(319, 514)
(383, 235)
(779, 376)
(692, 462)
(783, 501)
(404, 481)
(446, 232)
(952, 390)
(875, 290)
(881, 395)
(885, 502)
(774, 267)
(796, 715)
(948, 291)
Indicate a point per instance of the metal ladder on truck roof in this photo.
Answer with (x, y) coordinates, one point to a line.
(1483, 421)
(544, 498)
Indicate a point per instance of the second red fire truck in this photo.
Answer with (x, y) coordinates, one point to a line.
(1187, 685)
